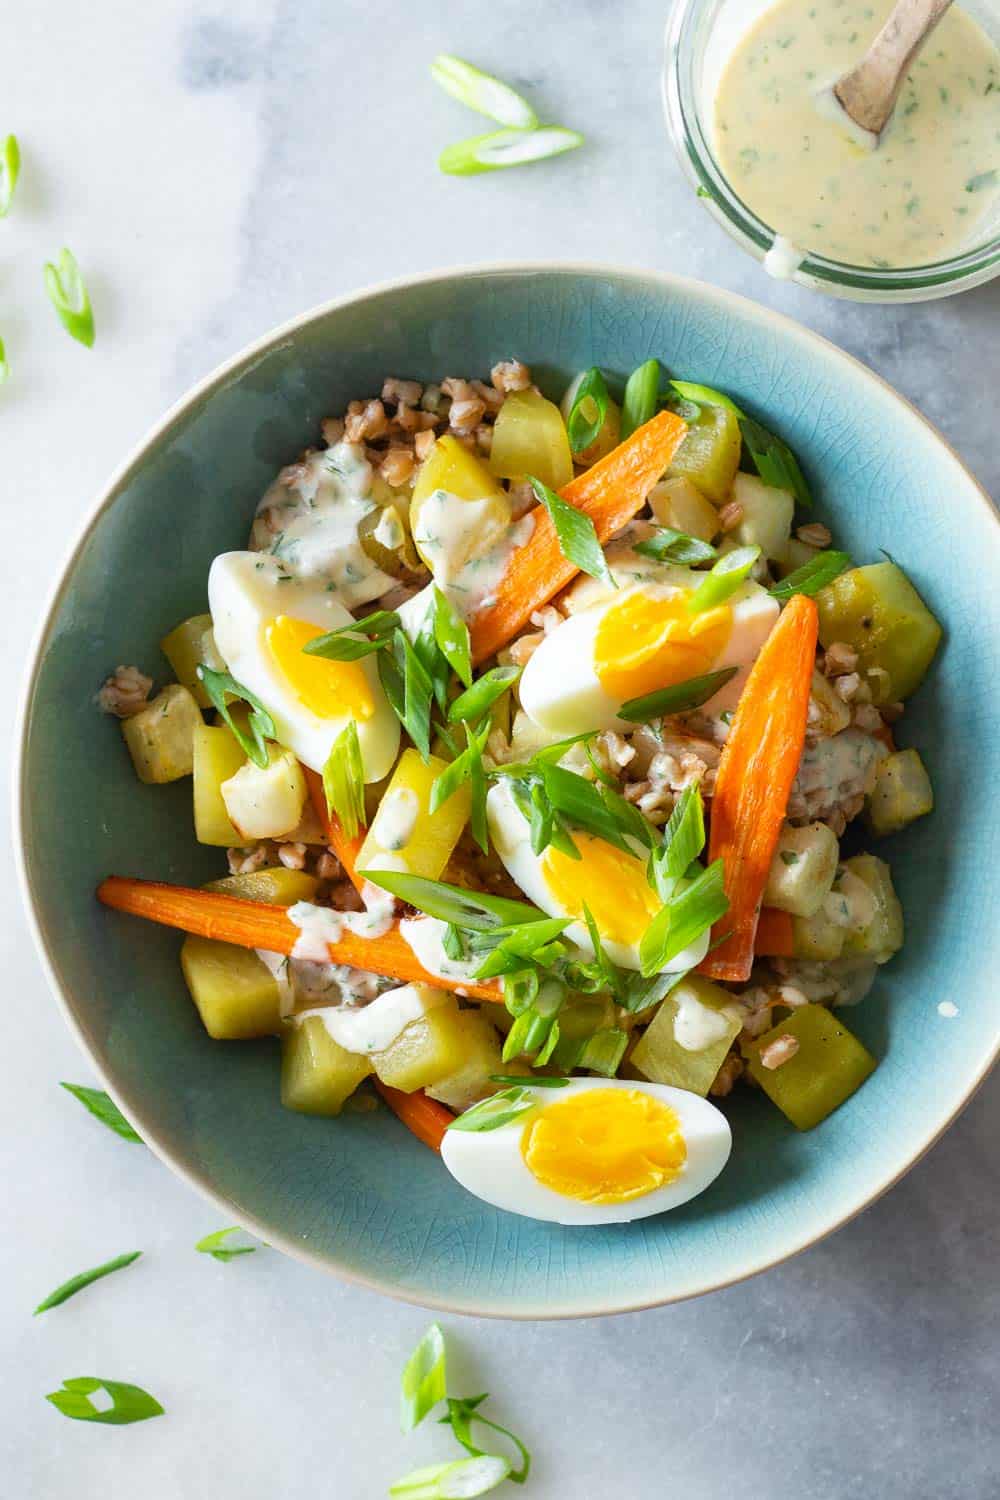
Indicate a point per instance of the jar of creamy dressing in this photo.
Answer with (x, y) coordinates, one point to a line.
(748, 97)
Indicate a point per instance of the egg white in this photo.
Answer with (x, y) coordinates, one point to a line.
(561, 692)
(511, 838)
(246, 591)
(489, 1163)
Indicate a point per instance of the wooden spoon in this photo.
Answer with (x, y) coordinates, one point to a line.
(868, 92)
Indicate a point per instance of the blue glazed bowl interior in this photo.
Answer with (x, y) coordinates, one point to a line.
(358, 1195)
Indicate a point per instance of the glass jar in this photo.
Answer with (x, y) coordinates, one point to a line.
(700, 36)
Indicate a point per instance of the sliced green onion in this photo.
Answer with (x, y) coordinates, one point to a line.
(539, 1082)
(478, 822)
(506, 148)
(520, 991)
(683, 841)
(481, 696)
(130, 1402)
(103, 1108)
(461, 770)
(812, 576)
(676, 547)
(482, 92)
(642, 392)
(496, 1111)
(679, 699)
(220, 684)
(703, 395)
(85, 1278)
(344, 781)
(520, 943)
(575, 533)
(461, 1480)
(597, 809)
(390, 675)
(418, 694)
(216, 1245)
(423, 1381)
(683, 919)
(68, 295)
(641, 991)
(588, 411)
(453, 942)
(453, 903)
(10, 170)
(727, 575)
(452, 635)
(774, 460)
(359, 639)
(603, 1051)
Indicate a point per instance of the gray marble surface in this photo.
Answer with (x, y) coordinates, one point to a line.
(217, 168)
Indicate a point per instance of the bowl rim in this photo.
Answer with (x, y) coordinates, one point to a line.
(593, 1304)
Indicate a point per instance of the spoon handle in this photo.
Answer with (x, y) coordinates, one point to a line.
(868, 92)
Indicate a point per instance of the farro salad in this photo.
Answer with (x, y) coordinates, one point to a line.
(545, 748)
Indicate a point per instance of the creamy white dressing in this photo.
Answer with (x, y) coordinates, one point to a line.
(396, 819)
(389, 531)
(466, 556)
(373, 1027)
(319, 926)
(697, 1026)
(783, 259)
(929, 189)
(425, 937)
(309, 519)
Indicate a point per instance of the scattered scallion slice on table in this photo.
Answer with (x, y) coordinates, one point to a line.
(85, 1278)
(103, 1108)
(344, 781)
(678, 699)
(482, 92)
(575, 533)
(727, 575)
(68, 295)
(812, 576)
(219, 686)
(423, 1382)
(462, 1479)
(130, 1403)
(588, 411)
(10, 170)
(506, 148)
(462, 1412)
(642, 392)
(216, 1245)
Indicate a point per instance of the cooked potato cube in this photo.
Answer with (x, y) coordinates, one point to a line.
(160, 739)
(826, 1067)
(882, 935)
(236, 995)
(695, 1011)
(404, 827)
(188, 647)
(679, 504)
(710, 453)
(428, 1050)
(803, 868)
(796, 555)
(767, 515)
(878, 613)
(266, 802)
(217, 757)
(817, 937)
(317, 1075)
(902, 792)
(276, 887)
(529, 437)
(828, 713)
(481, 1056)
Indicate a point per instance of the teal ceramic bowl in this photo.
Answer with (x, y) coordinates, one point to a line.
(358, 1196)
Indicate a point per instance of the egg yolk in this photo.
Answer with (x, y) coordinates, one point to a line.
(645, 643)
(612, 883)
(604, 1145)
(328, 689)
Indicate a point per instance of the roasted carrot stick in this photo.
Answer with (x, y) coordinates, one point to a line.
(344, 848)
(611, 493)
(756, 772)
(425, 1117)
(254, 924)
(774, 937)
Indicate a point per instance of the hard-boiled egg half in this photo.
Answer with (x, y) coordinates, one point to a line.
(638, 641)
(611, 883)
(596, 1151)
(263, 616)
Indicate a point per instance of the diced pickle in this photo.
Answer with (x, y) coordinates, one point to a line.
(679, 504)
(404, 827)
(276, 887)
(236, 995)
(160, 738)
(882, 936)
(609, 435)
(878, 613)
(766, 521)
(471, 1081)
(266, 802)
(317, 1075)
(217, 757)
(529, 437)
(385, 538)
(829, 1065)
(902, 792)
(188, 647)
(659, 1055)
(710, 453)
(428, 1050)
(803, 868)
